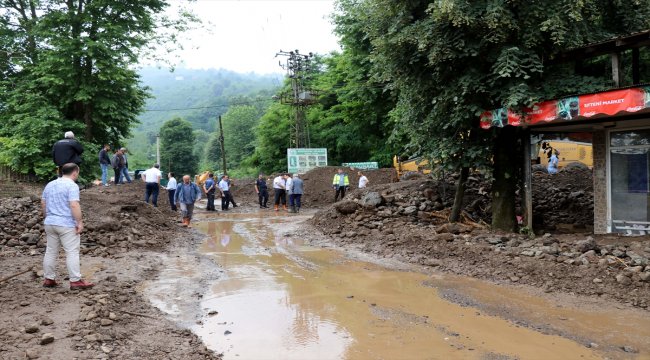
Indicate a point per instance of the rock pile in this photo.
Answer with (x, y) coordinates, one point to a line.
(110, 226)
(399, 221)
(564, 202)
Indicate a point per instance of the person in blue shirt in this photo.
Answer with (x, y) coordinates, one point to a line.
(187, 193)
(63, 226)
(552, 162)
(210, 187)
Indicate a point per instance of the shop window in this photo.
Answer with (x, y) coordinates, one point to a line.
(630, 170)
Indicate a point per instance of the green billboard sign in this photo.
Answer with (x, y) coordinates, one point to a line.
(302, 160)
(368, 165)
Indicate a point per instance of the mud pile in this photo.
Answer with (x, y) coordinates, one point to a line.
(403, 221)
(318, 185)
(120, 247)
(564, 202)
(116, 219)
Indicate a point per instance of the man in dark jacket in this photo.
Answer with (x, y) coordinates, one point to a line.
(117, 162)
(104, 163)
(67, 151)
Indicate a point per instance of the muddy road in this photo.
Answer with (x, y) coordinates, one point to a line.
(263, 285)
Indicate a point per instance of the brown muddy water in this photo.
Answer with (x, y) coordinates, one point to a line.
(274, 297)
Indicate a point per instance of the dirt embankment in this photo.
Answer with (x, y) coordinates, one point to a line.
(318, 185)
(401, 221)
(120, 245)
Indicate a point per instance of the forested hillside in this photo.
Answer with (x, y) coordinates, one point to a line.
(198, 96)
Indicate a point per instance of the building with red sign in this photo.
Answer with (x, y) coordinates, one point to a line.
(619, 123)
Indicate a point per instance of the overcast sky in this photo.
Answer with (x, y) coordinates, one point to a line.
(245, 35)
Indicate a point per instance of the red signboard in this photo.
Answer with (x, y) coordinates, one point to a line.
(572, 108)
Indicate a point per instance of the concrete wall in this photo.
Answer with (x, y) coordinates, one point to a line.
(600, 181)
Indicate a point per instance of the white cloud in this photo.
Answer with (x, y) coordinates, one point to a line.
(244, 36)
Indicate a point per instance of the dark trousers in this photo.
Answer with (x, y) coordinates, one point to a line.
(151, 190)
(171, 194)
(225, 200)
(340, 190)
(210, 206)
(280, 196)
(264, 197)
(118, 175)
(294, 200)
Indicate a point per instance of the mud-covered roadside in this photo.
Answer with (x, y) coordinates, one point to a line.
(399, 221)
(121, 249)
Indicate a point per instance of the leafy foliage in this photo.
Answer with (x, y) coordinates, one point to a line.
(449, 60)
(68, 65)
(177, 147)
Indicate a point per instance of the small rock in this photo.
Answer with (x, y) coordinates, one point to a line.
(227, 332)
(622, 279)
(213, 312)
(47, 321)
(47, 338)
(31, 354)
(598, 281)
(112, 316)
(629, 349)
(106, 349)
(32, 328)
(350, 296)
(106, 322)
(92, 337)
(645, 276)
(91, 315)
(514, 278)
(585, 245)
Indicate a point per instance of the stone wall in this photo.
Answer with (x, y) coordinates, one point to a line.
(600, 181)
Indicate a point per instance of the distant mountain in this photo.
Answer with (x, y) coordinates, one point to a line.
(198, 96)
(192, 88)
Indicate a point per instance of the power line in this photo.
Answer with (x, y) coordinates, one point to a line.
(211, 106)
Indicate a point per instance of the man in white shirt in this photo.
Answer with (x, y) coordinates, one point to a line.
(224, 186)
(288, 188)
(172, 184)
(363, 180)
(151, 177)
(279, 191)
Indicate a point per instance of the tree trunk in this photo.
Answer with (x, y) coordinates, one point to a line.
(506, 153)
(460, 193)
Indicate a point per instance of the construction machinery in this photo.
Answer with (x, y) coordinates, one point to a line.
(414, 165)
(570, 152)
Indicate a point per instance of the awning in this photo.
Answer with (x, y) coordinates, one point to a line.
(574, 108)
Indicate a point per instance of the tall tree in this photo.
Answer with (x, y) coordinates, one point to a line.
(451, 59)
(239, 124)
(177, 147)
(71, 68)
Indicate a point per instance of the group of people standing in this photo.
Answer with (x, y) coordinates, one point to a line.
(119, 162)
(210, 187)
(283, 185)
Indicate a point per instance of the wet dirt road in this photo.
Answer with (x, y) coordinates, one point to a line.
(272, 297)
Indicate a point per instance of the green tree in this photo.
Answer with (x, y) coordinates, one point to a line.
(239, 133)
(449, 60)
(177, 147)
(68, 65)
(212, 155)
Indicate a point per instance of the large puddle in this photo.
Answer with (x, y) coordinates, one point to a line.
(279, 299)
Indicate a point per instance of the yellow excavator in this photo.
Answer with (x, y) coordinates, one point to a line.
(570, 152)
(415, 165)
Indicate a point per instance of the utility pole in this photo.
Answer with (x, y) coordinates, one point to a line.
(299, 68)
(158, 149)
(223, 148)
